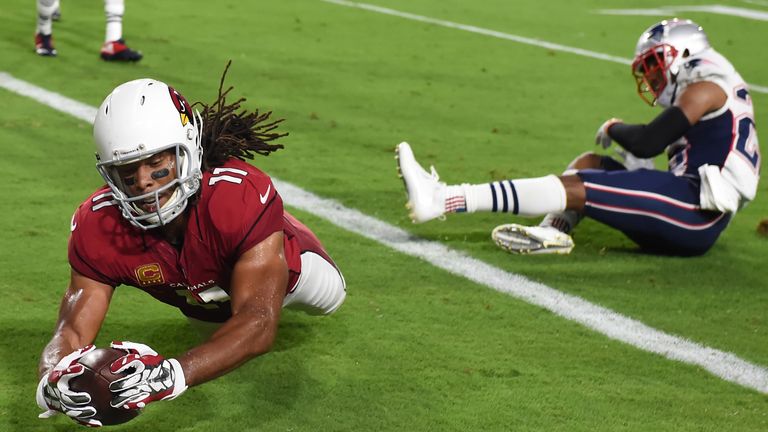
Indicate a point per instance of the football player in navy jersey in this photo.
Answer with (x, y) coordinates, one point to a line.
(185, 219)
(707, 129)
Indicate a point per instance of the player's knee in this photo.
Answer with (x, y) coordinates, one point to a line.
(587, 160)
(320, 290)
(46, 7)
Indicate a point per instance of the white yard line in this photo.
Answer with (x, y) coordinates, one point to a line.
(605, 321)
(667, 11)
(763, 3)
(500, 35)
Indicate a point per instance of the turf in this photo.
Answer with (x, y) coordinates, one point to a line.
(414, 348)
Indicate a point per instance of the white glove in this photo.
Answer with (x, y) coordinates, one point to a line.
(601, 137)
(632, 162)
(152, 377)
(55, 396)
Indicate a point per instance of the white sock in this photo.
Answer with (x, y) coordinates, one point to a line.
(45, 9)
(114, 10)
(564, 221)
(525, 197)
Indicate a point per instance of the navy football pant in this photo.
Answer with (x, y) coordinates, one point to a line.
(656, 209)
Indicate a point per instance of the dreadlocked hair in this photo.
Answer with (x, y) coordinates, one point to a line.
(232, 132)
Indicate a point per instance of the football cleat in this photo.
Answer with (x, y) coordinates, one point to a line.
(520, 239)
(44, 45)
(119, 51)
(426, 193)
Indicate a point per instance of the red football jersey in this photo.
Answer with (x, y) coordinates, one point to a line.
(237, 209)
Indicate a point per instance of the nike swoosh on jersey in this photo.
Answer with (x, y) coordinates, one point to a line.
(263, 198)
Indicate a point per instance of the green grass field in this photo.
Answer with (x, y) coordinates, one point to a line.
(415, 347)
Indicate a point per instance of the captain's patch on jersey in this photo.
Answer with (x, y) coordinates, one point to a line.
(149, 274)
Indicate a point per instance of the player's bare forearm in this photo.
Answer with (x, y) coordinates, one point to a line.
(258, 286)
(241, 338)
(81, 313)
(58, 347)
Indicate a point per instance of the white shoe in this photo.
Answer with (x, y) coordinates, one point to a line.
(520, 239)
(426, 193)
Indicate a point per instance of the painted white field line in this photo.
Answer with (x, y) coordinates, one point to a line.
(757, 2)
(666, 11)
(56, 101)
(612, 324)
(500, 35)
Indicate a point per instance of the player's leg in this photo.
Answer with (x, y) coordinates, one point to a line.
(114, 48)
(321, 288)
(656, 209)
(567, 220)
(546, 238)
(44, 30)
(517, 238)
(428, 198)
(56, 15)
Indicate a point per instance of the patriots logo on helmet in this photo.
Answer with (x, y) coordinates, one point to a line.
(181, 104)
(656, 33)
(692, 63)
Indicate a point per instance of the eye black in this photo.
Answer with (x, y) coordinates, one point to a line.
(160, 173)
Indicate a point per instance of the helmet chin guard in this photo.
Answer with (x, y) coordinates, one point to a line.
(137, 120)
(659, 54)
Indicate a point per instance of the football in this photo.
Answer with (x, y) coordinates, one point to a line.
(95, 380)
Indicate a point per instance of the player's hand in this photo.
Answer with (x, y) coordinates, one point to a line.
(601, 137)
(632, 162)
(55, 396)
(150, 377)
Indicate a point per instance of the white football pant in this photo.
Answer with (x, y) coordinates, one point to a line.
(321, 288)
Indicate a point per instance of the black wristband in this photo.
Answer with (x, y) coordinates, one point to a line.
(649, 140)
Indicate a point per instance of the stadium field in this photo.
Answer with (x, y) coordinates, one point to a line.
(441, 331)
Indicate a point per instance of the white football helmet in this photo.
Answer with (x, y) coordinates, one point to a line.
(660, 52)
(137, 120)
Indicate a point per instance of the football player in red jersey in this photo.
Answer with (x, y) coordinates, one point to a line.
(185, 219)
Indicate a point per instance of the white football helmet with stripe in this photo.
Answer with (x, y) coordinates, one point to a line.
(141, 118)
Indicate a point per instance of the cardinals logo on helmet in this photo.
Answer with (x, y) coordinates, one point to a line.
(181, 104)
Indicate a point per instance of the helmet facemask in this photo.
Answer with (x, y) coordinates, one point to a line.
(652, 71)
(184, 186)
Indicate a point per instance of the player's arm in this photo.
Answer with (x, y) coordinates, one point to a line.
(651, 139)
(257, 290)
(81, 314)
(700, 99)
